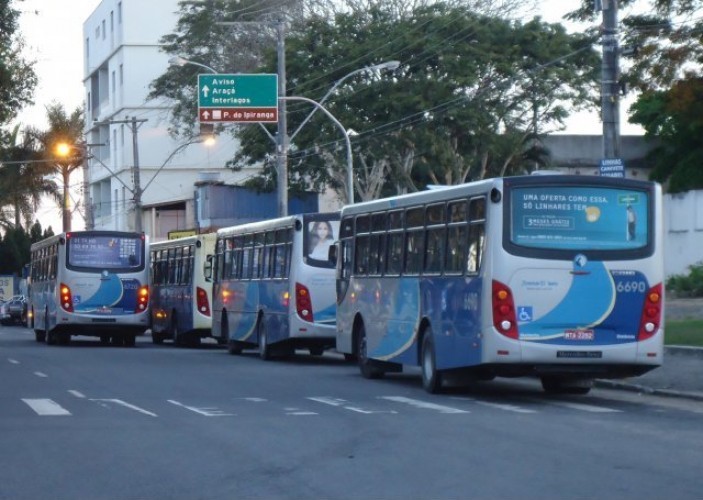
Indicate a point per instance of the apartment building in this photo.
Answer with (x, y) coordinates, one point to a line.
(125, 130)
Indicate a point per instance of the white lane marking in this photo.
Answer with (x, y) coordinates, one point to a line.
(298, 412)
(506, 407)
(345, 404)
(77, 394)
(254, 400)
(207, 412)
(582, 407)
(40, 374)
(423, 404)
(13, 361)
(46, 407)
(127, 405)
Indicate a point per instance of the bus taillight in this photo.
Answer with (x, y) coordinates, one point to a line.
(303, 304)
(504, 319)
(202, 301)
(143, 298)
(66, 298)
(651, 313)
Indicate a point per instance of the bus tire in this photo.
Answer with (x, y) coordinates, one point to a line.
(64, 338)
(50, 336)
(104, 340)
(262, 335)
(317, 351)
(175, 333)
(234, 347)
(157, 337)
(130, 341)
(431, 377)
(365, 364)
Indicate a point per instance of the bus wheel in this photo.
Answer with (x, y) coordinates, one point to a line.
(64, 338)
(365, 364)
(431, 377)
(317, 351)
(175, 334)
(130, 341)
(51, 338)
(234, 347)
(104, 339)
(561, 385)
(264, 348)
(157, 337)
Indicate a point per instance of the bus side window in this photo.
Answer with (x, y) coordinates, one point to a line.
(456, 249)
(476, 237)
(208, 267)
(361, 255)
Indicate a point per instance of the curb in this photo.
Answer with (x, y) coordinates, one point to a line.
(643, 389)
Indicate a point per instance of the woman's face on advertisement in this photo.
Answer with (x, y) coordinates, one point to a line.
(322, 230)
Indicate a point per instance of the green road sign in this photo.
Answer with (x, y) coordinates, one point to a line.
(238, 98)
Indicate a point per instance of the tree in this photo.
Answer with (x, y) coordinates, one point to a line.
(23, 179)
(63, 129)
(666, 68)
(469, 94)
(17, 77)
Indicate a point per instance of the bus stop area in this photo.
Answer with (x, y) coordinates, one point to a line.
(681, 374)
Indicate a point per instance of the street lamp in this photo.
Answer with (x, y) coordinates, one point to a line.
(182, 61)
(63, 150)
(389, 65)
(350, 163)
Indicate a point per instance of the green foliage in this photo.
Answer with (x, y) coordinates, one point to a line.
(17, 77)
(687, 285)
(687, 332)
(14, 247)
(674, 118)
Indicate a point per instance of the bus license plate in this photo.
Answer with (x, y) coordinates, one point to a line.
(579, 335)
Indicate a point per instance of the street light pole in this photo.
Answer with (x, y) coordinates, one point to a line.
(282, 136)
(610, 97)
(350, 164)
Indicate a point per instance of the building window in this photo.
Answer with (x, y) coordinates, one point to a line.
(121, 75)
(119, 12)
(103, 29)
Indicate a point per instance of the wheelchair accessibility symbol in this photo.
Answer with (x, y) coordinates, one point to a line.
(524, 313)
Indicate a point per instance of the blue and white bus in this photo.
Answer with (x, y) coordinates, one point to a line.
(559, 277)
(181, 289)
(274, 285)
(92, 283)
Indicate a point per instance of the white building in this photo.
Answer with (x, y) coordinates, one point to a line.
(122, 58)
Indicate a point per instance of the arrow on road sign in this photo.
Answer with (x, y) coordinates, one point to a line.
(206, 90)
(206, 115)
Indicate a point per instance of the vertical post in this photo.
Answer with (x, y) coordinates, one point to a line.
(282, 137)
(610, 87)
(87, 201)
(65, 174)
(137, 180)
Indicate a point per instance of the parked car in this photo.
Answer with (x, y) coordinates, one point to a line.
(14, 311)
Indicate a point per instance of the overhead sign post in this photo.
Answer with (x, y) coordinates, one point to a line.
(238, 98)
(613, 167)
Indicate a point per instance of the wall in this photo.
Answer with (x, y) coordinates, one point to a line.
(683, 231)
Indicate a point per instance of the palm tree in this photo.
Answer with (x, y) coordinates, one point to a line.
(23, 177)
(67, 130)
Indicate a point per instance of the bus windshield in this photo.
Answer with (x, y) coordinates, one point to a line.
(86, 251)
(320, 235)
(579, 218)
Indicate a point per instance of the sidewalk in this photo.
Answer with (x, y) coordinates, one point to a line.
(681, 375)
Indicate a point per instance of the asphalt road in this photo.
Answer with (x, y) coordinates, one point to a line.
(92, 421)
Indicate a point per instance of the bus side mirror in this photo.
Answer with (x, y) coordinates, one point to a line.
(207, 268)
(332, 254)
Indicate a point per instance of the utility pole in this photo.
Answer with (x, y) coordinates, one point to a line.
(282, 136)
(610, 76)
(134, 124)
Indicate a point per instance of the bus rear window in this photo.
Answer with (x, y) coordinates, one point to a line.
(579, 218)
(104, 252)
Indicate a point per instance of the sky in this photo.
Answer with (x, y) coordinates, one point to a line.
(59, 63)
